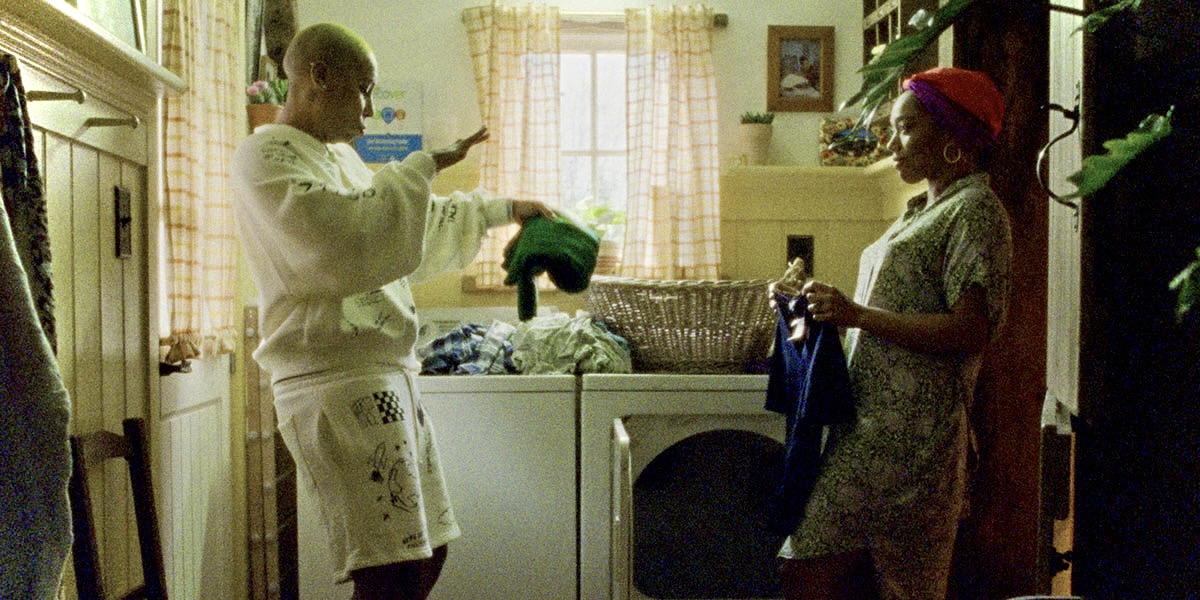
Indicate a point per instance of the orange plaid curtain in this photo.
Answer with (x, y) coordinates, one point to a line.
(672, 228)
(201, 43)
(514, 50)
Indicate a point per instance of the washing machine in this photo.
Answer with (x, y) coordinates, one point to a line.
(675, 474)
(508, 450)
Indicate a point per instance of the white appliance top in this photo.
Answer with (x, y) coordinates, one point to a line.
(672, 382)
(457, 384)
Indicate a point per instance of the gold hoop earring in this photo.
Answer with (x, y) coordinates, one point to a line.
(946, 154)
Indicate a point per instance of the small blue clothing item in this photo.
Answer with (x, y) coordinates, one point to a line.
(808, 382)
(470, 349)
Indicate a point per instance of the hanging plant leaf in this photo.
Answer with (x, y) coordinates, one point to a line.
(1098, 169)
(882, 75)
(1187, 285)
(1101, 17)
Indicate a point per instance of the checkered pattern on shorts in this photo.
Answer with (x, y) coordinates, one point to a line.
(379, 408)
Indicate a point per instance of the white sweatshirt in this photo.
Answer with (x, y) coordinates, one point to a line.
(332, 247)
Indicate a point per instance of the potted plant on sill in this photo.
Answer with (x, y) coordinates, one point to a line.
(606, 222)
(754, 137)
(265, 99)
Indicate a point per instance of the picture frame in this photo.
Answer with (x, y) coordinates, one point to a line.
(124, 19)
(799, 68)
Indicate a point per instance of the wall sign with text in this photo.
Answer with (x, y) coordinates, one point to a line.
(396, 129)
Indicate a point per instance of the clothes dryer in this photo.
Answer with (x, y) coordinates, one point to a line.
(675, 473)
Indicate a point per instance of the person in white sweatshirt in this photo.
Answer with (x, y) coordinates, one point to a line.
(332, 247)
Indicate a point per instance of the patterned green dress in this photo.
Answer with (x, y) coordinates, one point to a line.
(894, 479)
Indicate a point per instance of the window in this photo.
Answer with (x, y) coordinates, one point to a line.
(592, 116)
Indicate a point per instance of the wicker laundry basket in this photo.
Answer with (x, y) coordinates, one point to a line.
(687, 326)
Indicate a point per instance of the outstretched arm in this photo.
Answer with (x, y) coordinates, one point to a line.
(963, 329)
(524, 209)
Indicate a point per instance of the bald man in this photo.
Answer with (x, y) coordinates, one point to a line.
(333, 247)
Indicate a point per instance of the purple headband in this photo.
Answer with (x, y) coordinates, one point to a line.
(964, 126)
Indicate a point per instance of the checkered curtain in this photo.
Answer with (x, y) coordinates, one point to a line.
(201, 43)
(515, 53)
(672, 228)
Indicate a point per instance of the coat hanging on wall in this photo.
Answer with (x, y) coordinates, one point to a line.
(23, 194)
(35, 460)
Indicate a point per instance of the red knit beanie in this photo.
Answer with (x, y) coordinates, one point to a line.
(971, 91)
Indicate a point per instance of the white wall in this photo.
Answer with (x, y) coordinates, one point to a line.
(425, 41)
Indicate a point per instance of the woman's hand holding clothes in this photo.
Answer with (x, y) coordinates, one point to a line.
(827, 303)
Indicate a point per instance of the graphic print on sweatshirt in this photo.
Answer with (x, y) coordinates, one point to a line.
(377, 311)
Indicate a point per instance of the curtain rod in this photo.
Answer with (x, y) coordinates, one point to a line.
(720, 20)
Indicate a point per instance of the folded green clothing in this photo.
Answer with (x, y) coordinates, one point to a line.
(560, 247)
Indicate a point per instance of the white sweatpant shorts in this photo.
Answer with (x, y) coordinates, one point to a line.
(365, 449)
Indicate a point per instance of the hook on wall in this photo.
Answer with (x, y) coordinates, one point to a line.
(130, 122)
(1044, 153)
(37, 96)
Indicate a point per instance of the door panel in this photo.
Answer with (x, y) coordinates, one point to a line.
(102, 338)
(196, 506)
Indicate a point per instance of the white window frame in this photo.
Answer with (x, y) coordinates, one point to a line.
(592, 35)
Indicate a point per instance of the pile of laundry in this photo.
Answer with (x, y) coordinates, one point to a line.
(555, 343)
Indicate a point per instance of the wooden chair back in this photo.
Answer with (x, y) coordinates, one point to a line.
(91, 450)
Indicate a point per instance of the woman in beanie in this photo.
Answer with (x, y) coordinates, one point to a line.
(931, 293)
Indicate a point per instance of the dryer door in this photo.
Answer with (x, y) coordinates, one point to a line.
(690, 501)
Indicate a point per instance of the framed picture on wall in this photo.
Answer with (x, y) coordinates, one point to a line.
(125, 19)
(799, 68)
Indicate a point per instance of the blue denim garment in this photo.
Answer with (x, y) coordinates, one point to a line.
(809, 383)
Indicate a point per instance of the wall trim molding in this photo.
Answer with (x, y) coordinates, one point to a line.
(51, 36)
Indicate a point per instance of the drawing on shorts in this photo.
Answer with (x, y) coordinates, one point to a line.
(393, 473)
(379, 408)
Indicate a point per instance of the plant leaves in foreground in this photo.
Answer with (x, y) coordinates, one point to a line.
(1097, 169)
(1187, 284)
(882, 75)
(1099, 18)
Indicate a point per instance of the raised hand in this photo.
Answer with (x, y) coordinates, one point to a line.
(450, 155)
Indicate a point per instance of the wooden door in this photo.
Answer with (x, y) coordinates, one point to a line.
(998, 539)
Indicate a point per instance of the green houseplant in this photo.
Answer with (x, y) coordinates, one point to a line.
(758, 117)
(605, 221)
(264, 101)
(754, 137)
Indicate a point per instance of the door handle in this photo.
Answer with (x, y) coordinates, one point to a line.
(621, 534)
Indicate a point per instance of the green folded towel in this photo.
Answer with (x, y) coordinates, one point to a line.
(560, 247)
